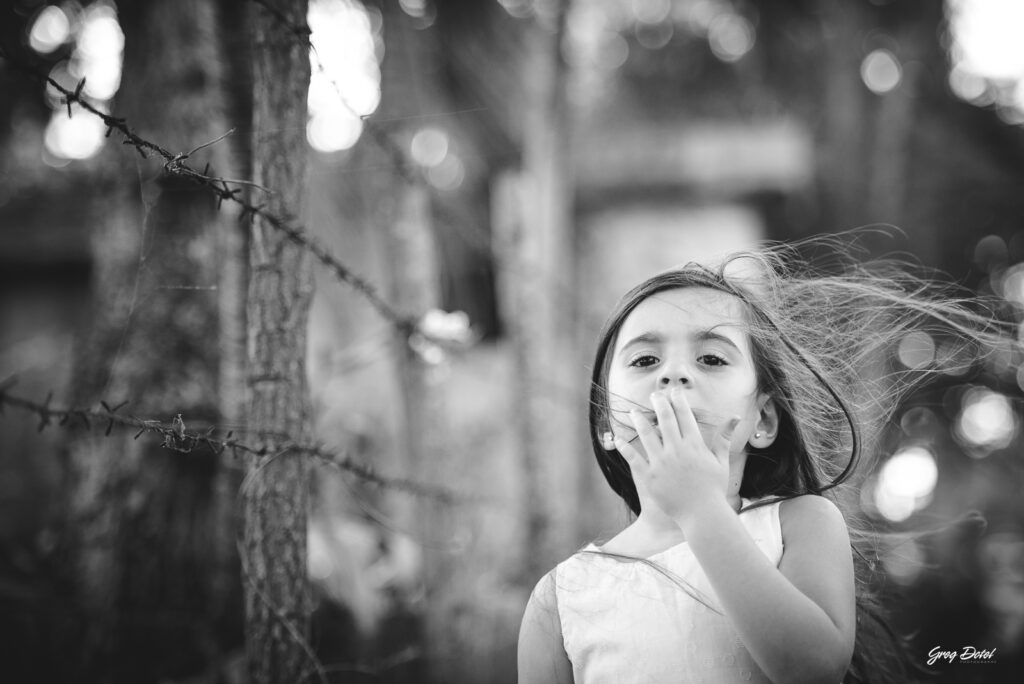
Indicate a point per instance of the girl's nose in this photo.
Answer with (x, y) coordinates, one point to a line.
(673, 379)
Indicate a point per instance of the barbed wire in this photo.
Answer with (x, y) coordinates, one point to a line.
(176, 437)
(175, 164)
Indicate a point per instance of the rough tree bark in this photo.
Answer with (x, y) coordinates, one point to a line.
(277, 598)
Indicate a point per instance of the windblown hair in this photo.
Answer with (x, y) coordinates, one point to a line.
(823, 348)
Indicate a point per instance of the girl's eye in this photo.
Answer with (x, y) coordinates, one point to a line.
(643, 361)
(712, 360)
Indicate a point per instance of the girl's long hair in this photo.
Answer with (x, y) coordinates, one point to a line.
(824, 345)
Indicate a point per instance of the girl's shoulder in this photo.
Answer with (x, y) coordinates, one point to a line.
(544, 590)
(810, 516)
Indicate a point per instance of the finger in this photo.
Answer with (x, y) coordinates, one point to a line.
(637, 462)
(645, 431)
(684, 414)
(667, 423)
(722, 443)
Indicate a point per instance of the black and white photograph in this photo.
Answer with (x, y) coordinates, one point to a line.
(511, 341)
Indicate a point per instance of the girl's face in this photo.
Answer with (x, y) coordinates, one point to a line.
(695, 338)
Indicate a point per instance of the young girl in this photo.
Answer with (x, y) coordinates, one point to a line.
(724, 410)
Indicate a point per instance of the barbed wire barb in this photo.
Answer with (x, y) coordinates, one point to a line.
(207, 144)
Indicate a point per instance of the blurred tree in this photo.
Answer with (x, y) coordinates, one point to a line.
(150, 527)
(537, 271)
(402, 206)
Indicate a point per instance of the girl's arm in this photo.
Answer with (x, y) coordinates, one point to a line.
(542, 657)
(797, 620)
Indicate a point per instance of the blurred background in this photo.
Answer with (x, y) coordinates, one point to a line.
(506, 169)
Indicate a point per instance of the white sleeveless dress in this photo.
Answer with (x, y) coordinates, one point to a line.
(627, 621)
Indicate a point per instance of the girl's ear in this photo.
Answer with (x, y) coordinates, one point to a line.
(766, 429)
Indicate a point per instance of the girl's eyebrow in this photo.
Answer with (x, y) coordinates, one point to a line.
(699, 336)
(645, 338)
(705, 335)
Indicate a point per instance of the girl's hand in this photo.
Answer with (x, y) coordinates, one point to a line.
(681, 473)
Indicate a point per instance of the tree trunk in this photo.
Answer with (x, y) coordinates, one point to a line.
(277, 599)
(142, 519)
(841, 150)
(415, 282)
(403, 208)
(542, 318)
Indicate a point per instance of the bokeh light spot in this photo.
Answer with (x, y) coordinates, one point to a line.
(1009, 284)
(904, 562)
(414, 8)
(448, 175)
(651, 11)
(991, 253)
(332, 133)
(968, 86)
(905, 483)
(987, 34)
(986, 422)
(612, 52)
(520, 9)
(919, 422)
(96, 57)
(50, 30)
(78, 137)
(987, 55)
(916, 349)
(423, 12)
(345, 76)
(730, 36)
(101, 34)
(99, 52)
(881, 71)
(653, 36)
(429, 147)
